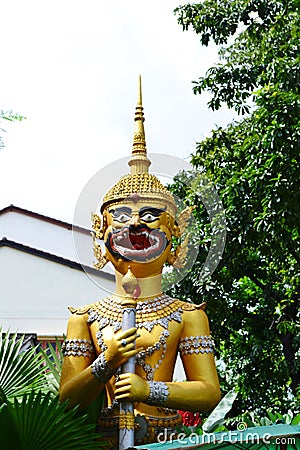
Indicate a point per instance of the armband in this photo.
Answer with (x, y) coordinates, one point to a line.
(196, 344)
(77, 347)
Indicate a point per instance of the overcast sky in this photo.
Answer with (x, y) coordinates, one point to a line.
(71, 68)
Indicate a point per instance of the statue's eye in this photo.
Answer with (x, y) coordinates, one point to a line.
(148, 217)
(121, 217)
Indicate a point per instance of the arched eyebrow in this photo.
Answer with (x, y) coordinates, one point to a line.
(123, 209)
(154, 211)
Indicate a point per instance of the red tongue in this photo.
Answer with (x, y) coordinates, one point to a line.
(138, 246)
(139, 242)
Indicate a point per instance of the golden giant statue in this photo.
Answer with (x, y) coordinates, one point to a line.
(137, 226)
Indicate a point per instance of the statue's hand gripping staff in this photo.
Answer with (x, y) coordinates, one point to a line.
(126, 423)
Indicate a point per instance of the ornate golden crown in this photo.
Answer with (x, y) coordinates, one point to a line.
(139, 183)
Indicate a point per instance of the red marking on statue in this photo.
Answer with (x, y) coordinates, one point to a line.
(137, 292)
(135, 197)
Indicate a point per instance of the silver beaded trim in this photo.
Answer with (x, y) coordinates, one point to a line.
(77, 347)
(101, 369)
(196, 344)
(161, 344)
(155, 305)
(159, 393)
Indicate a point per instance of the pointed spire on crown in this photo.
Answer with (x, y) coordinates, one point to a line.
(139, 163)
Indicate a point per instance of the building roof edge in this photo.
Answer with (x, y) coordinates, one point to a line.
(60, 223)
(4, 242)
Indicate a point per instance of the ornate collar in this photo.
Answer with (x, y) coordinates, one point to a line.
(157, 311)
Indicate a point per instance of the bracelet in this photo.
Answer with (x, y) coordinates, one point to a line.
(159, 393)
(101, 369)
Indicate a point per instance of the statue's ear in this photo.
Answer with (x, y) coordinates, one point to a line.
(184, 218)
(101, 259)
(98, 233)
(178, 258)
(99, 226)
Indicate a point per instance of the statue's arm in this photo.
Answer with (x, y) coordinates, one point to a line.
(201, 391)
(77, 383)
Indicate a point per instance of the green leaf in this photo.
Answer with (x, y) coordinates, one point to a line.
(53, 364)
(217, 417)
(296, 420)
(9, 434)
(19, 372)
(42, 423)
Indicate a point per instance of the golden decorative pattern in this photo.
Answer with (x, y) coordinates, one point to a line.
(126, 420)
(96, 223)
(145, 185)
(101, 259)
(138, 141)
(147, 428)
(111, 308)
(81, 310)
(192, 307)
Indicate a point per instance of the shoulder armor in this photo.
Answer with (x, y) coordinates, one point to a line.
(192, 307)
(80, 310)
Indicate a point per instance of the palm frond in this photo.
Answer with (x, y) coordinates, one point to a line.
(42, 423)
(53, 363)
(19, 372)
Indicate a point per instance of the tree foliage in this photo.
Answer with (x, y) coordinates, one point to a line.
(10, 117)
(253, 297)
(265, 47)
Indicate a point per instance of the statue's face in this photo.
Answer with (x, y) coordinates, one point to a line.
(139, 235)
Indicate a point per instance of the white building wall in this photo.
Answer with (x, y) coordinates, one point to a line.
(42, 235)
(49, 237)
(36, 292)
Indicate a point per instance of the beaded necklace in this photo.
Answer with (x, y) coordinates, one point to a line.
(141, 356)
(157, 311)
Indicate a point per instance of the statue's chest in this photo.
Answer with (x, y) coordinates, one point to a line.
(158, 322)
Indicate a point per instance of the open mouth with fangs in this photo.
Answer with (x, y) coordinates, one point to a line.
(137, 243)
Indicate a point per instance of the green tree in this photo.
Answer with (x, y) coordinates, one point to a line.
(264, 51)
(253, 297)
(8, 116)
